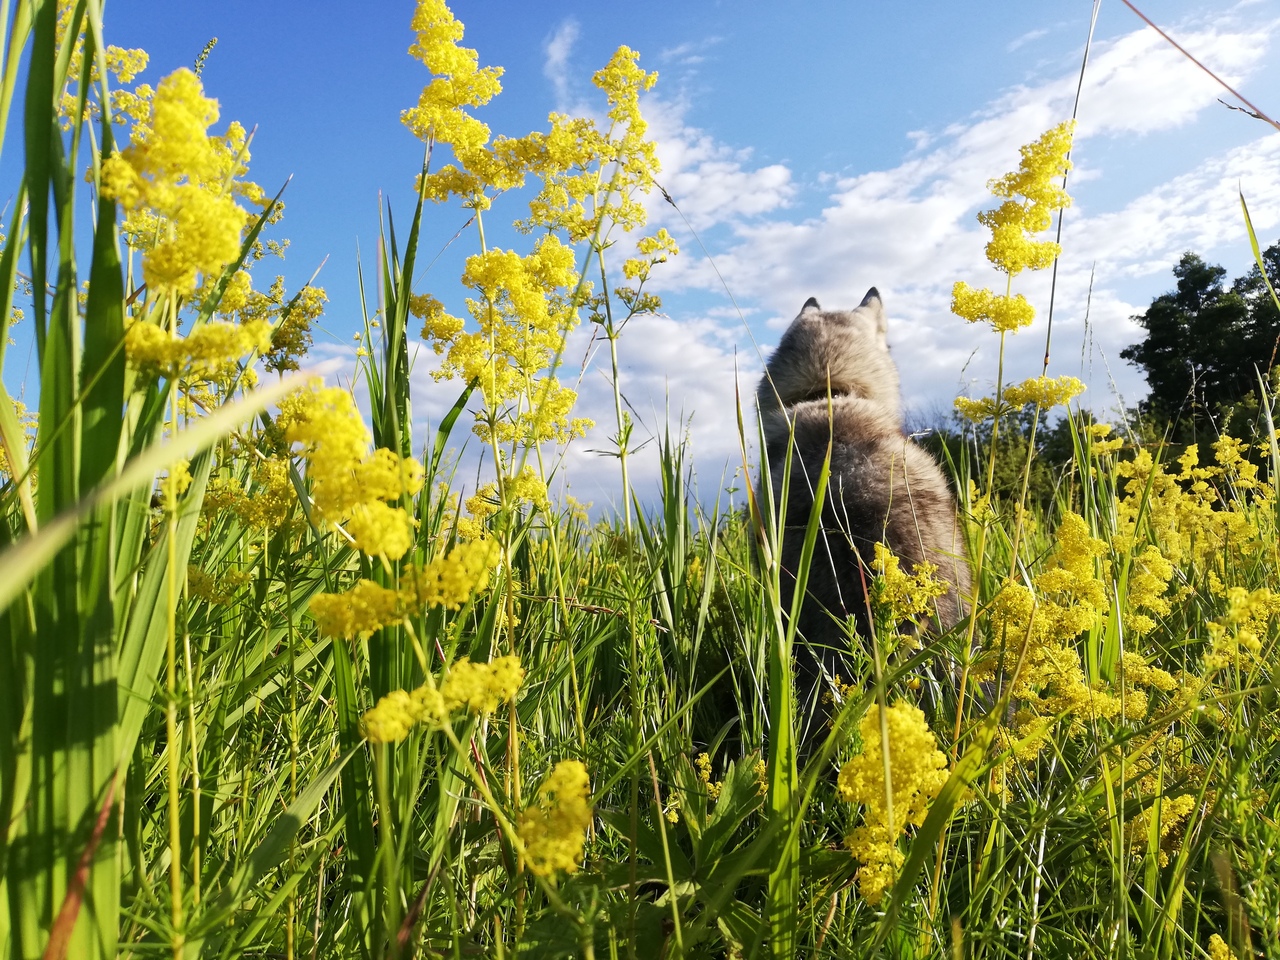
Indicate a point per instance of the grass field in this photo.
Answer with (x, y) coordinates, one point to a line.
(273, 684)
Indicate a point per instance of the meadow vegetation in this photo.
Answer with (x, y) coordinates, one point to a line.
(273, 684)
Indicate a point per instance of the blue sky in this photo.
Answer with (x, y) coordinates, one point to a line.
(817, 149)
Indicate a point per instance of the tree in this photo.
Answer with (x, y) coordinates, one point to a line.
(1264, 316)
(1205, 342)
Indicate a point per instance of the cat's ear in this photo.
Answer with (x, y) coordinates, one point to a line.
(810, 304)
(874, 308)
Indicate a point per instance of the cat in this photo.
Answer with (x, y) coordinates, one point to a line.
(832, 381)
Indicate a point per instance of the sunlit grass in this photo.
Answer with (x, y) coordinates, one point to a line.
(274, 684)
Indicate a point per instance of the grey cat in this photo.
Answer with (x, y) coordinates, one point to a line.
(832, 379)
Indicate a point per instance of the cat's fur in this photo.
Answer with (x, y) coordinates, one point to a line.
(832, 379)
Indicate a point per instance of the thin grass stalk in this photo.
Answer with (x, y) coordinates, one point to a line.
(172, 752)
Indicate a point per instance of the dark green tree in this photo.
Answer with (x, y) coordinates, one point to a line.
(1204, 342)
(1263, 329)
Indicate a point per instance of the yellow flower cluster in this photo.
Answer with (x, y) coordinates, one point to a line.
(761, 770)
(1148, 583)
(1187, 515)
(123, 64)
(526, 306)
(1099, 444)
(479, 687)
(1169, 816)
(1002, 311)
(900, 599)
(525, 487)
(1044, 392)
(1030, 196)
(27, 419)
(1237, 635)
(1218, 949)
(210, 352)
(1161, 783)
(216, 589)
(291, 319)
(267, 502)
(553, 828)
(180, 180)
(1070, 598)
(441, 114)
(347, 482)
(524, 312)
(653, 250)
(917, 770)
(714, 787)
(358, 612)
(447, 581)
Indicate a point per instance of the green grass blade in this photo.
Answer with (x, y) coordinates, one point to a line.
(24, 560)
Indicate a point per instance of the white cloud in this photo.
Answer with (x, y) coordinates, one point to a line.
(1140, 84)
(689, 54)
(1029, 37)
(684, 374)
(555, 67)
(710, 181)
(910, 230)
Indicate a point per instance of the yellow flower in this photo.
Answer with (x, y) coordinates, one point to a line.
(429, 706)
(481, 687)
(360, 611)
(528, 487)
(265, 505)
(976, 411)
(123, 64)
(523, 318)
(449, 581)
(181, 177)
(918, 770)
(441, 113)
(653, 250)
(1002, 312)
(209, 352)
(1044, 162)
(1148, 583)
(553, 828)
(1009, 248)
(1235, 635)
(1030, 196)
(900, 596)
(526, 306)
(438, 327)
(714, 788)
(1044, 392)
(1100, 445)
(391, 720)
(347, 482)
(291, 317)
(380, 530)
(1218, 949)
(216, 589)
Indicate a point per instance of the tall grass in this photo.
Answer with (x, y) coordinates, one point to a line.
(191, 765)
